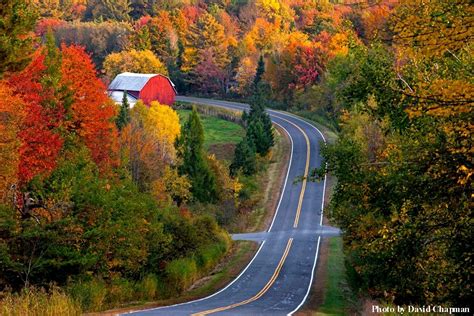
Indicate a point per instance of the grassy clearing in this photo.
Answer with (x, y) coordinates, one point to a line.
(334, 302)
(216, 130)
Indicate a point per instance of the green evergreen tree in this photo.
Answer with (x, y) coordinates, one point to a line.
(259, 73)
(124, 114)
(194, 164)
(244, 158)
(259, 125)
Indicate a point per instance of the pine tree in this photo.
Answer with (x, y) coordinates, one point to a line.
(259, 126)
(124, 114)
(244, 158)
(259, 73)
(194, 162)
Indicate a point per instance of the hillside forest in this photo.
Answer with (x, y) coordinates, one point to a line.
(109, 203)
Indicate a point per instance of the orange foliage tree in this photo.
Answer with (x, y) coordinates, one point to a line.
(12, 115)
(92, 111)
(64, 100)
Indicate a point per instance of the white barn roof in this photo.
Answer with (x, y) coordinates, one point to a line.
(130, 81)
(133, 81)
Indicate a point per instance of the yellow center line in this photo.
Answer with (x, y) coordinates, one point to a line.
(306, 171)
(259, 294)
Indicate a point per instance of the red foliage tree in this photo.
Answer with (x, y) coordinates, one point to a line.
(63, 98)
(308, 64)
(92, 111)
(41, 142)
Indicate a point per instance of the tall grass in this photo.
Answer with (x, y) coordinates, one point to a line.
(182, 273)
(38, 302)
(91, 295)
(97, 295)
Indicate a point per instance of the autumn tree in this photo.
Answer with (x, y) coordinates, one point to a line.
(99, 39)
(17, 19)
(205, 38)
(208, 76)
(163, 123)
(133, 61)
(38, 85)
(163, 37)
(245, 75)
(193, 160)
(12, 114)
(118, 10)
(92, 112)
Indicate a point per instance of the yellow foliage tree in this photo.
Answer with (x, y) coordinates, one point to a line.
(133, 61)
(148, 142)
(162, 122)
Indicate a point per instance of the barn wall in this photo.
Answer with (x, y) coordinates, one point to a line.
(158, 88)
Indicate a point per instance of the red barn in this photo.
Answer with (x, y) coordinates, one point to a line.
(147, 87)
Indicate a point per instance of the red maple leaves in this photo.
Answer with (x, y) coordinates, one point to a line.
(64, 103)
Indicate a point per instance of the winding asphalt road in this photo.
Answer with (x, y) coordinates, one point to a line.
(278, 279)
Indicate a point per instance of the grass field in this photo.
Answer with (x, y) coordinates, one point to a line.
(334, 298)
(216, 131)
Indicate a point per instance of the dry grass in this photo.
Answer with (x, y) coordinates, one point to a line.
(38, 302)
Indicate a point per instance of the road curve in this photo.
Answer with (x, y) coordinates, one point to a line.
(278, 278)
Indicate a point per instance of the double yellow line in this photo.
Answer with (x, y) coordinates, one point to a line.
(306, 171)
(288, 245)
(259, 294)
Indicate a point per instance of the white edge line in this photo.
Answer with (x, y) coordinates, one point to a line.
(256, 254)
(310, 283)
